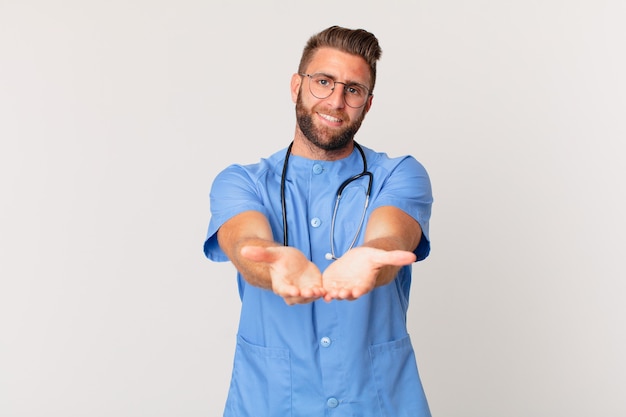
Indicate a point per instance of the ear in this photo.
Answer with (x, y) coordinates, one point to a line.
(296, 81)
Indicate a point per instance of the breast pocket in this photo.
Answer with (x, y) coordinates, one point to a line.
(400, 392)
(261, 382)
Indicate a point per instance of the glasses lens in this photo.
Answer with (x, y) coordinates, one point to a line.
(322, 86)
(355, 95)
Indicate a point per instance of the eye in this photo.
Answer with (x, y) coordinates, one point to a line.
(355, 90)
(323, 81)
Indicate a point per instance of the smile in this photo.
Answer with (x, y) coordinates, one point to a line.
(330, 118)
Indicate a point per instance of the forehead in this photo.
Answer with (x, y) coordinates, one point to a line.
(340, 65)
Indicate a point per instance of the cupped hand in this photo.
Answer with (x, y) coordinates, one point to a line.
(357, 272)
(294, 277)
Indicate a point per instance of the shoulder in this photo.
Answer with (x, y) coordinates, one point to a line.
(407, 164)
(238, 173)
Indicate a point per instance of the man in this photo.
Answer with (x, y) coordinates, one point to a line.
(323, 235)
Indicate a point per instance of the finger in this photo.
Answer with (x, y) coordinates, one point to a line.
(331, 294)
(343, 295)
(299, 300)
(337, 294)
(284, 289)
(351, 294)
(294, 295)
(293, 300)
(312, 292)
(355, 293)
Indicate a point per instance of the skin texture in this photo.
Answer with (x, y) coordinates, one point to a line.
(324, 130)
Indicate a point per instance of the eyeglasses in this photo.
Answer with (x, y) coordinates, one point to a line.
(322, 86)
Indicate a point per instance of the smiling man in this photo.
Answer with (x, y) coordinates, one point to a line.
(323, 235)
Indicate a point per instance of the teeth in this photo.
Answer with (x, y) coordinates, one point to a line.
(330, 118)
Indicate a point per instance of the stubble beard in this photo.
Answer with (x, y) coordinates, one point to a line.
(324, 138)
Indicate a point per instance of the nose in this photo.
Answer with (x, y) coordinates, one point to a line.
(337, 97)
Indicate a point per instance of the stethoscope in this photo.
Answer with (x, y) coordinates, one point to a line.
(331, 255)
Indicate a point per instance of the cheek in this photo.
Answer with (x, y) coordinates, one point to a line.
(357, 115)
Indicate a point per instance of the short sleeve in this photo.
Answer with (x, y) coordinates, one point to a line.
(407, 186)
(234, 191)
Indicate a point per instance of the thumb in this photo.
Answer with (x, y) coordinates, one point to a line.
(258, 253)
(396, 258)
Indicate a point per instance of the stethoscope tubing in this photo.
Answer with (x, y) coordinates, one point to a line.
(343, 185)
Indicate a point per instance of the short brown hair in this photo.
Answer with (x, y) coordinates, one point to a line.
(353, 41)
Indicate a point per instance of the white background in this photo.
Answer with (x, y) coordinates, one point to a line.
(115, 116)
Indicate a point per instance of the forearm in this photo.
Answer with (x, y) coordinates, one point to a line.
(387, 273)
(389, 229)
(247, 229)
(247, 241)
(255, 272)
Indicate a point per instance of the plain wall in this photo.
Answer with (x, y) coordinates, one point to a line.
(115, 116)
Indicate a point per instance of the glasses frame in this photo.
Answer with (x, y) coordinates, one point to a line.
(332, 89)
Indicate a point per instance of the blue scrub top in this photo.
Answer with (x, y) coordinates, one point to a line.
(343, 358)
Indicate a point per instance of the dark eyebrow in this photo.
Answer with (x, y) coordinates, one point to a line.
(348, 82)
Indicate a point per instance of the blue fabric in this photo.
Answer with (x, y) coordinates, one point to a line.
(323, 359)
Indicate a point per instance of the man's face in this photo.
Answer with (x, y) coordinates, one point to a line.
(329, 123)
